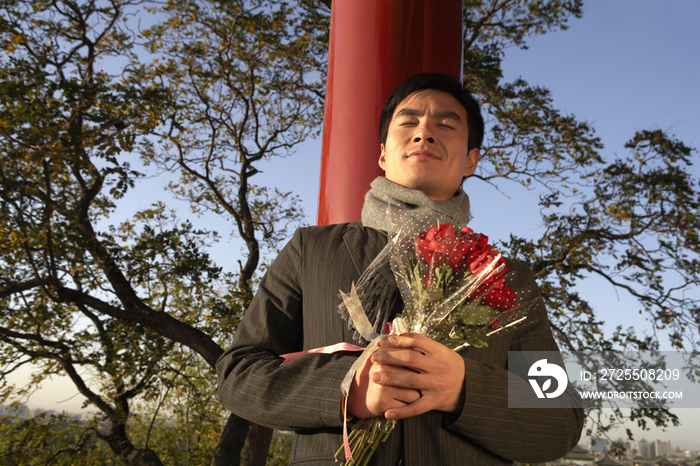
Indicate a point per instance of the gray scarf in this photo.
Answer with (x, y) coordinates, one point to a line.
(386, 194)
(376, 287)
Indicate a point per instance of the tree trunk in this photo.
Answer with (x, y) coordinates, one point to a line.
(141, 457)
(128, 454)
(257, 446)
(228, 451)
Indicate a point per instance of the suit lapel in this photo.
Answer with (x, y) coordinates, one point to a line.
(363, 245)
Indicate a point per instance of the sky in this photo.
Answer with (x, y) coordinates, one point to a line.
(626, 65)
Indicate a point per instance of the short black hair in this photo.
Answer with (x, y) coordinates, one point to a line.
(439, 82)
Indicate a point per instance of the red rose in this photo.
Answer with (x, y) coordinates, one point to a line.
(493, 290)
(500, 298)
(440, 245)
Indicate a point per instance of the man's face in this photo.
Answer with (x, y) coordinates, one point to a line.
(427, 145)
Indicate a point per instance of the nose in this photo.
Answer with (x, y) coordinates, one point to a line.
(423, 133)
(419, 138)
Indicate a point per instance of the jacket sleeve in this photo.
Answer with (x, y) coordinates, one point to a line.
(302, 394)
(518, 434)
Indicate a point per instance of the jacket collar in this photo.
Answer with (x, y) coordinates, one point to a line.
(363, 244)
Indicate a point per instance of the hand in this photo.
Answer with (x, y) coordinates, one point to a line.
(368, 398)
(409, 375)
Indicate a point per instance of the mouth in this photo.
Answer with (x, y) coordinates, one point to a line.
(421, 154)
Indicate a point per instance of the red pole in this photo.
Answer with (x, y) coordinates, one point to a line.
(374, 46)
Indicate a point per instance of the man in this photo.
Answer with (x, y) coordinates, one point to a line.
(452, 407)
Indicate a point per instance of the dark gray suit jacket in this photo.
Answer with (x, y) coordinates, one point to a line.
(296, 309)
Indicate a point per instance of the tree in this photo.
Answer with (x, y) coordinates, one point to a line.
(204, 92)
(115, 306)
(246, 92)
(637, 230)
(51, 440)
(632, 222)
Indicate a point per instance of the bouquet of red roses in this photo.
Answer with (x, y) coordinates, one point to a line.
(453, 288)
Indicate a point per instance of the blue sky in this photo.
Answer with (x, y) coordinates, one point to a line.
(625, 66)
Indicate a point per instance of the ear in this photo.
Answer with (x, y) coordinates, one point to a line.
(472, 161)
(382, 157)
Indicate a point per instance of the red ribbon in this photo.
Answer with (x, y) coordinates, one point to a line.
(325, 350)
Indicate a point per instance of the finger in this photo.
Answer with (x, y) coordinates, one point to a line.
(401, 358)
(400, 377)
(420, 406)
(384, 393)
(412, 340)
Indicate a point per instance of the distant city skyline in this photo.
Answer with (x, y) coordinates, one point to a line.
(23, 411)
